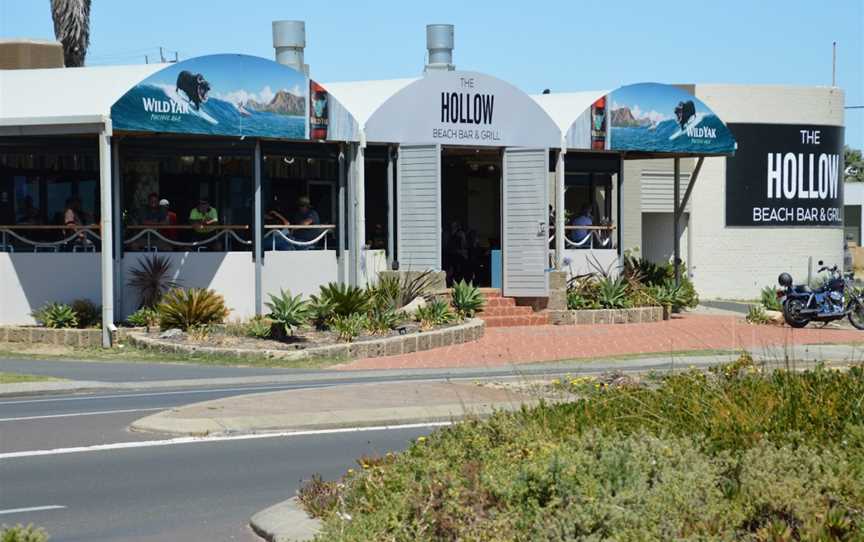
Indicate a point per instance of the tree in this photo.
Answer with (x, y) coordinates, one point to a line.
(72, 29)
(854, 165)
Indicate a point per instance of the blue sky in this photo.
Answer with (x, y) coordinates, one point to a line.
(557, 44)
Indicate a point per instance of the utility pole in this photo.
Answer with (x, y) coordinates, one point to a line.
(834, 64)
(146, 59)
(161, 55)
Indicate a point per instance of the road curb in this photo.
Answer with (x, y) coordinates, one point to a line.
(285, 522)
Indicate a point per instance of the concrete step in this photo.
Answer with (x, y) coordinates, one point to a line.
(534, 319)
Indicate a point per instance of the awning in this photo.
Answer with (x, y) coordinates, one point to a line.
(644, 118)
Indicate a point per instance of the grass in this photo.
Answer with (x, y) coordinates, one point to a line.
(17, 378)
(131, 354)
(737, 453)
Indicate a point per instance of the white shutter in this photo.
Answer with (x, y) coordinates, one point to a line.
(418, 207)
(525, 228)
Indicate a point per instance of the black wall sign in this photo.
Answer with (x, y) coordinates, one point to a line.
(785, 175)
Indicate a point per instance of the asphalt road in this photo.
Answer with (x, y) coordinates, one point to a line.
(203, 491)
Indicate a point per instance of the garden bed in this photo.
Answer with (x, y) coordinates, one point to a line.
(316, 344)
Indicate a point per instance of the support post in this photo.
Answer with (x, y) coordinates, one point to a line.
(258, 255)
(118, 225)
(391, 221)
(676, 216)
(343, 225)
(107, 234)
(560, 215)
(359, 203)
(619, 198)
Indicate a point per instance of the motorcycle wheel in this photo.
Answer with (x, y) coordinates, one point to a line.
(856, 315)
(792, 313)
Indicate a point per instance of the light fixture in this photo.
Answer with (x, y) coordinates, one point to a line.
(491, 168)
(288, 159)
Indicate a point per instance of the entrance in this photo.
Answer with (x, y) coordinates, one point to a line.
(470, 213)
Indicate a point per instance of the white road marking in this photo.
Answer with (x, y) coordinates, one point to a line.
(222, 438)
(154, 394)
(73, 414)
(31, 509)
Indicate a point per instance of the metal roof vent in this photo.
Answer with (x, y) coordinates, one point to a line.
(289, 40)
(439, 43)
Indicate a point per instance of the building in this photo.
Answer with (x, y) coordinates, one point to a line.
(457, 172)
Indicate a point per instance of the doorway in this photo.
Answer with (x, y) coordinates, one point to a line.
(470, 213)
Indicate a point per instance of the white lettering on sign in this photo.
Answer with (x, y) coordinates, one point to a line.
(809, 176)
(152, 105)
(810, 137)
(783, 215)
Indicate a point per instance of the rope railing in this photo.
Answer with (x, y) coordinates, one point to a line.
(594, 233)
(278, 232)
(79, 240)
(148, 232)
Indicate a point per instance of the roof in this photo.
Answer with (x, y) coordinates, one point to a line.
(363, 98)
(65, 95)
(564, 107)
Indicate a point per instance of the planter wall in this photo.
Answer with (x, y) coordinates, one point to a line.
(63, 337)
(606, 316)
(390, 346)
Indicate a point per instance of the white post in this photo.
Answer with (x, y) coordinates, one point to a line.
(560, 217)
(391, 222)
(259, 232)
(676, 216)
(107, 234)
(359, 209)
(118, 227)
(343, 224)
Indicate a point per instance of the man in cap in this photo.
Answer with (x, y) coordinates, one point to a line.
(305, 215)
(202, 216)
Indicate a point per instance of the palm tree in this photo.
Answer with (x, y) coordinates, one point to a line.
(72, 29)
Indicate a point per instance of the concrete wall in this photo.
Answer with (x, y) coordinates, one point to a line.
(736, 262)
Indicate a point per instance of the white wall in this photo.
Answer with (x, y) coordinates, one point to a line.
(302, 272)
(657, 245)
(28, 281)
(582, 262)
(736, 262)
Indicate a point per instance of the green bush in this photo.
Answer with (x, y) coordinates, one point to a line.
(348, 328)
(56, 315)
(435, 313)
(321, 312)
(88, 313)
(21, 533)
(144, 317)
(467, 299)
(769, 299)
(259, 327)
(645, 271)
(756, 315)
(613, 293)
(736, 454)
(578, 301)
(288, 311)
(381, 322)
(343, 299)
(195, 307)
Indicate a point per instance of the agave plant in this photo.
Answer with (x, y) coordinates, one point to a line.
(381, 322)
(467, 299)
(612, 293)
(288, 311)
(144, 317)
(435, 313)
(152, 280)
(349, 326)
(183, 309)
(344, 299)
(56, 315)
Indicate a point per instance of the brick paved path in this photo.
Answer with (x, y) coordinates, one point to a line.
(504, 346)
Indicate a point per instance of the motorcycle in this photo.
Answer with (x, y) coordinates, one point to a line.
(836, 298)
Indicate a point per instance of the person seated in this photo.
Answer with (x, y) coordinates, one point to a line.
(202, 216)
(584, 218)
(278, 242)
(152, 214)
(305, 215)
(73, 219)
(170, 220)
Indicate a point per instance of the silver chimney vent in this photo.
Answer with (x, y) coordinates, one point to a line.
(439, 43)
(289, 40)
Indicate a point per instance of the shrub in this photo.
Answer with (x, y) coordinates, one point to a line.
(258, 327)
(349, 327)
(321, 312)
(199, 333)
(182, 309)
(144, 317)
(288, 312)
(578, 301)
(612, 293)
(381, 322)
(385, 295)
(56, 315)
(435, 313)
(20, 533)
(407, 287)
(769, 299)
(88, 313)
(318, 495)
(467, 299)
(756, 315)
(344, 299)
(152, 280)
(644, 271)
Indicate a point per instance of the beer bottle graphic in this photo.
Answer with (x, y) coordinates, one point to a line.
(318, 111)
(598, 124)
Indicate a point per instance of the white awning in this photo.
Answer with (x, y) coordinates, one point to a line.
(564, 107)
(363, 98)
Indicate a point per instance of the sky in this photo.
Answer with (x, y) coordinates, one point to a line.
(562, 45)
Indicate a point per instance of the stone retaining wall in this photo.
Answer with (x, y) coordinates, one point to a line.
(62, 337)
(471, 330)
(607, 316)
